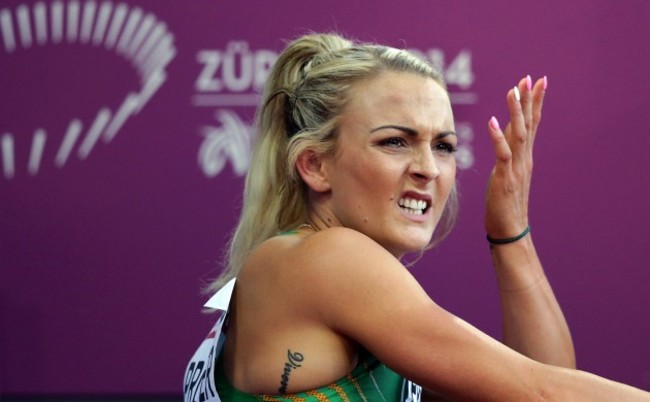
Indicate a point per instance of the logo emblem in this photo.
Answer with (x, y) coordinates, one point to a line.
(132, 33)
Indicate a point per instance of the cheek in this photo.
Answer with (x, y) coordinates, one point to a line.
(450, 171)
(372, 173)
(371, 188)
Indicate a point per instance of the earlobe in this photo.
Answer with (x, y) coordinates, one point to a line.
(310, 166)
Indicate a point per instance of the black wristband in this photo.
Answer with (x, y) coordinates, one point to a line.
(509, 239)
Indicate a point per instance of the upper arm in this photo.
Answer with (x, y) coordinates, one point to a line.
(364, 293)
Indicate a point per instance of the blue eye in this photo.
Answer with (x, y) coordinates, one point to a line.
(445, 147)
(393, 142)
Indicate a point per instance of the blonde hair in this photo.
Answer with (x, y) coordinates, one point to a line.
(304, 95)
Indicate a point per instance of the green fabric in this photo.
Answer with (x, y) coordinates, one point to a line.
(370, 381)
(288, 232)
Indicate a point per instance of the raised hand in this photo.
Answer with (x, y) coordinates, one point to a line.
(509, 184)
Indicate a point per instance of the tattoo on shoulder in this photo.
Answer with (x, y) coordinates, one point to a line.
(294, 360)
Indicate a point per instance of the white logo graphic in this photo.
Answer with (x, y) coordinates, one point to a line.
(229, 78)
(132, 33)
(234, 77)
(232, 141)
(465, 154)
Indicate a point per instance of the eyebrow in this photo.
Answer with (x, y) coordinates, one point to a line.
(410, 131)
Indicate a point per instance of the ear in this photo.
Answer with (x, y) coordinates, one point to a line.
(310, 166)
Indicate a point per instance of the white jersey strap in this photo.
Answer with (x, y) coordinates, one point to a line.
(221, 299)
(199, 376)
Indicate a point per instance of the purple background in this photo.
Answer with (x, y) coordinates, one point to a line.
(102, 260)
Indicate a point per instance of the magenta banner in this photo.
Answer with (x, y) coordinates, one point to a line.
(126, 129)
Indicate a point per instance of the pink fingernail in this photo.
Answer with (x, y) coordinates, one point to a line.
(494, 123)
(529, 82)
(545, 83)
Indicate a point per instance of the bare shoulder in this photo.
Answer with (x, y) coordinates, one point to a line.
(304, 255)
(332, 273)
(345, 248)
(333, 264)
(328, 256)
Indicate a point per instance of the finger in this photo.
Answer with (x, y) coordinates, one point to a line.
(525, 88)
(501, 148)
(539, 90)
(517, 133)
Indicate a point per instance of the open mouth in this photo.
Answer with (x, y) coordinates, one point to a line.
(413, 206)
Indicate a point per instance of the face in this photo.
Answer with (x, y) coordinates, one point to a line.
(393, 167)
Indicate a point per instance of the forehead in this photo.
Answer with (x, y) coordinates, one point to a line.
(400, 97)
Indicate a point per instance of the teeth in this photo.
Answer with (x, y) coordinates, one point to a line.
(413, 206)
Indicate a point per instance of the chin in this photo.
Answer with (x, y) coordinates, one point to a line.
(420, 247)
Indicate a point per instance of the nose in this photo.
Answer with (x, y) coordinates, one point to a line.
(424, 166)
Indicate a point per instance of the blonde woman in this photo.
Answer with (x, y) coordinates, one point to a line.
(354, 167)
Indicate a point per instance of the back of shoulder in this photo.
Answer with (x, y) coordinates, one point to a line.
(339, 249)
(328, 255)
(327, 277)
(340, 241)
